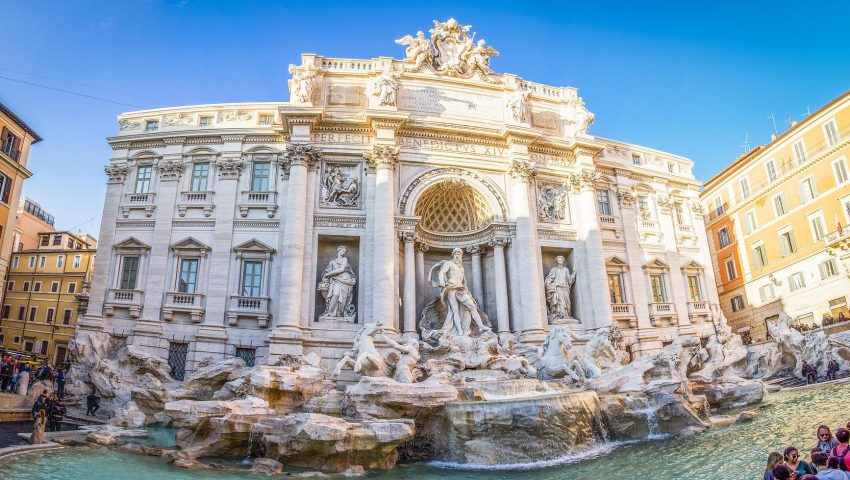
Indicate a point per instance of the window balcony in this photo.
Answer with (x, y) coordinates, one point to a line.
(138, 201)
(649, 225)
(662, 314)
(191, 303)
(699, 307)
(256, 307)
(131, 300)
(624, 315)
(201, 200)
(608, 220)
(258, 200)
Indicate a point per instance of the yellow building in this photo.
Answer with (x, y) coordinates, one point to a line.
(46, 289)
(773, 220)
(16, 137)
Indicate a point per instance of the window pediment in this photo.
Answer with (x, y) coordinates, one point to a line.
(189, 245)
(131, 245)
(254, 246)
(656, 265)
(616, 262)
(692, 266)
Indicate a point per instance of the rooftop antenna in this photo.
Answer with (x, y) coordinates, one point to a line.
(746, 145)
(808, 112)
(790, 121)
(772, 118)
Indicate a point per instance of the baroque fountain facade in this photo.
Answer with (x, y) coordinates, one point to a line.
(417, 258)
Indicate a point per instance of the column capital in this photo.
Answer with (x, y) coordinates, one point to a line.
(301, 154)
(170, 170)
(408, 236)
(423, 247)
(475, 249)
(382, 156)
(625, 197)
(500, 242)
(586, 179)
(522, 170)
(229, 168)
(115, 174)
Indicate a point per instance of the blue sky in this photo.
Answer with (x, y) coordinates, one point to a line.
(689, 79)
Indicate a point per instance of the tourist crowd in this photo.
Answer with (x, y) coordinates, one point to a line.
(17, 375)
(830, 459)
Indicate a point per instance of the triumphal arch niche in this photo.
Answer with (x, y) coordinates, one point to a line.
(427, 193)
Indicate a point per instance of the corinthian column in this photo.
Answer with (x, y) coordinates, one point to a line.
(409, 300)
(286, 337)
(502, 315)
(477, 277)
(384, 307)
(530, 284)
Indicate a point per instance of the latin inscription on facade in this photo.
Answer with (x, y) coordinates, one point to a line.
(345, 95)
(447, 146)
(551, 160)
(349, 138)
(448, 102)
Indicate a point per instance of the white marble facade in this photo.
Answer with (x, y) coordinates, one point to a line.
(220, 221)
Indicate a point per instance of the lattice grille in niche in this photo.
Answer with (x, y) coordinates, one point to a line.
(452, 206)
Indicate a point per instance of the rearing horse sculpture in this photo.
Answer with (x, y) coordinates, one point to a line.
(364, 358)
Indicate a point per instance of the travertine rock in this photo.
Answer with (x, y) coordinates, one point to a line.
(627, 415)
(113, 435)
(381, 397)
(322, 442)
(266, 466)
(204, 382)
(730, 392)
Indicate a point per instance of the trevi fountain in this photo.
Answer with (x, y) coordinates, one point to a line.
(411, 269)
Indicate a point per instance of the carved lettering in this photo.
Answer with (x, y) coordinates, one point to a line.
(348, 138)
(439, 101)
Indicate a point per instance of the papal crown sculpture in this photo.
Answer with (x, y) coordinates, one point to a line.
(450, 51)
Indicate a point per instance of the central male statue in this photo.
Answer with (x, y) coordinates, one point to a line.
(449, 276)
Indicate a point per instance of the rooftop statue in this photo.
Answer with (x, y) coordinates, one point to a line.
(450, 51)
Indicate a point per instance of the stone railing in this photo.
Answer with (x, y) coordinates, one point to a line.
(607, 220)
(201, 200)
(685, 229)
(123, 298)
(699, 306)
(243, 306)
(347, 65)
(542, 90)
(138, 201)
(624, 315)
(665, 308)
(650, 225)
(193, 303)
(260, 200)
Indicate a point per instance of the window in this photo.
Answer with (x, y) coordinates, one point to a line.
(615, 288)
(188, 275)
(260, 177)
(60, 261)
(694, 290)
(71, 243)
(800, 152)
(66, 318)
(22, 310)
(129, 271)
(72, 287)
(45, 240)
(779, 205)
(817, 226)
(6, 309)
(28, 345)
(636, 159)
(143, 178)
(248, 355)
(42, 261)
(731, 272)
(54, 287)
(177, 359)
(656, 282)
(723, 237)
(33, 311)
(830, 132)
(840, 168)
(32, 262)
(44, 345)
(78, 261)
(11, 144)
(49, 317)
(828, 269)
(200, 176)
(252, 272)
(16, 339)
(759, 256)
(737, 303)
(796, 281)
(15, 262)
(808, 190)
(750, 224)
(5, 188)
(770, 168)
(603, 202)
(26, 286)
(152, 125)
(57, 240)
(36, 287)
(205, 121)
(745, 188)
(718, 206)
(10, 286)
(266, 119)
(766, 292)
(787, 245)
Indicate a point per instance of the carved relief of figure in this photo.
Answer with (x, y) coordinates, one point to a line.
(337, 286)
(559, 283)
(405, 367)
(479, 58)
(552, 203)
(418, 50)
(518, 105)
(342, 189)
(385, 87)
(462, 310)
(302, 83)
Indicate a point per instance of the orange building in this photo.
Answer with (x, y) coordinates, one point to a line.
(30, 221)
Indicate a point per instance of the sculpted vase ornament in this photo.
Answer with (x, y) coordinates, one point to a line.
(559, 283)
(337, 287)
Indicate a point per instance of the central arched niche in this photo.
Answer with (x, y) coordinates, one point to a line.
(453, 206)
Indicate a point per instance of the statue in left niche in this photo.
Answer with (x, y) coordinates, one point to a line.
(337, 287)
(385, 86)
(559, 284)
(302, 83)
(342, 189)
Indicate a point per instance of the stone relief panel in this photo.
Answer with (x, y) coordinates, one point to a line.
(348, 95)
(552, 202)
(341, 185)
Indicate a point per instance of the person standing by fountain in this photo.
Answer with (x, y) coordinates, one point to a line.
(775, 458)
(37, 435)
(60, 382)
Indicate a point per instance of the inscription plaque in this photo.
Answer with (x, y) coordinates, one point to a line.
(448, 102)
(345, 95)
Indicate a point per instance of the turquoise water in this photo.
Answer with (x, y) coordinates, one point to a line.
(731, 453)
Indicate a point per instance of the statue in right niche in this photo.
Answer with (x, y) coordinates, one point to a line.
(559, 284)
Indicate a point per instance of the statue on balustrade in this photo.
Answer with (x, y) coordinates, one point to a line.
(559, 284)
(337, 287)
